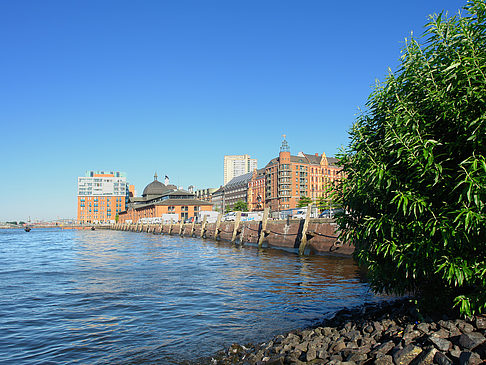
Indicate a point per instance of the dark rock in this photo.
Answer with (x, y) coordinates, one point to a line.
(471, 340)
(481, 350)
(469, 358)
(440, 343)
(442, 359)
(426, 357)
(384, 360)
(384, 348)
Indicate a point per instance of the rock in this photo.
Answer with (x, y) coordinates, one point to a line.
(378, 327)
(276, 361)
(338, 346)
(426, 357)
(481, 322)
(368, 329)
(322, 354)
(326, 331)
(357, 357)
(423, 327)
(469, 358)
(311, 354)
(455, 352)
(441, 343)
(464, 326)
(384, 348)
(384, 360)
(410, 336)
(406, 355)
(471, 340)
(442, 333)
(442, 359)
(303, 346)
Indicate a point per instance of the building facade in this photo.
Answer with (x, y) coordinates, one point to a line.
(101, 196)
(288, 178)
(256, 191)
(205, 194)
(158, 199)
(237, 165)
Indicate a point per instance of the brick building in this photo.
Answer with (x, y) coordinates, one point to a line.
(288, 178)
(101, 196)
(158, 198)
(256, 191)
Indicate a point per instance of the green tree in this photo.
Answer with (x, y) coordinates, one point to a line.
(323, 203)
(416, 170)
(116, 218)
(304, 201)
(240, 205)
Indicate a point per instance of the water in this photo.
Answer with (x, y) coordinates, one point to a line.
(105, 297)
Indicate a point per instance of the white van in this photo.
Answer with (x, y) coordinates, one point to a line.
(211, 216)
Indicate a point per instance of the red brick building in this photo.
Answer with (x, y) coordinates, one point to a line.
(287, 178)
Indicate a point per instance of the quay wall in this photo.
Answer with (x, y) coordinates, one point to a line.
(310, 236)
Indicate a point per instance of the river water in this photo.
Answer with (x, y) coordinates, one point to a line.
(109, 297)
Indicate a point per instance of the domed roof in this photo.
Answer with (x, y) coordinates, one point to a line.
(155, 188)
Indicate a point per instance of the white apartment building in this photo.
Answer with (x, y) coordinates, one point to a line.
(101, 183)
(237, 165)
(101, 196)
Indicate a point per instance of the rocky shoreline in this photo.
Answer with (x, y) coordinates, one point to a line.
(388, 333)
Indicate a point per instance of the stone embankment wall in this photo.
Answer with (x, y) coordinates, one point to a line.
(307, 236)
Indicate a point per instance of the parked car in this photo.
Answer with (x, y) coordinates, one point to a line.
(229, 217)
(300, 214)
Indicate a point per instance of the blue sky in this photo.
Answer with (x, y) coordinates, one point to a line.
(173, 86)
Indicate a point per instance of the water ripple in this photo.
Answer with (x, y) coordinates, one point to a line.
(121, 297)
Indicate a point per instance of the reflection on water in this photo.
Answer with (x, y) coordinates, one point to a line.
(122, 297)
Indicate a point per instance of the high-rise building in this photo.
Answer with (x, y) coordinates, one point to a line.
(237, 165)
(101, 196)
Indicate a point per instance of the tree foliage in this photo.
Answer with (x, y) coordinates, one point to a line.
(304, 201)
(240, 205)
(416, 169)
